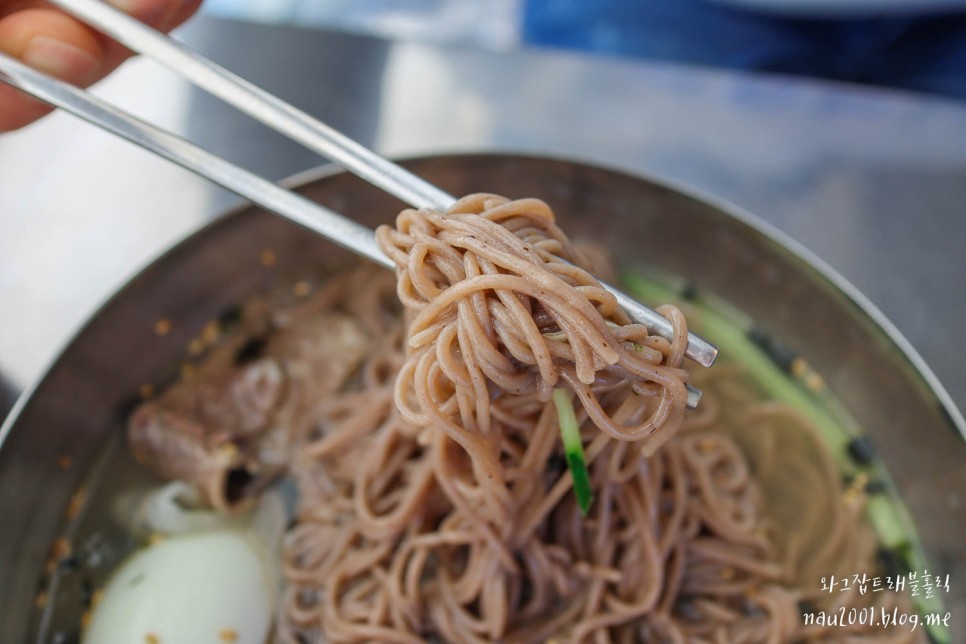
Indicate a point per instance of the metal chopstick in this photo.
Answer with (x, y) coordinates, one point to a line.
(258, 103)
(313, 134)
(341, 230)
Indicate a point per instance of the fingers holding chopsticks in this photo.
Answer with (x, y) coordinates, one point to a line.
(53, 42)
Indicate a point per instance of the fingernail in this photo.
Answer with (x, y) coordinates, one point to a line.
(134, 6)
(59, 58)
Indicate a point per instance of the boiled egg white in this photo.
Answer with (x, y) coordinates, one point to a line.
(207, 587)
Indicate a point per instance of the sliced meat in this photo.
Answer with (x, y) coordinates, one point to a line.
(228, 428)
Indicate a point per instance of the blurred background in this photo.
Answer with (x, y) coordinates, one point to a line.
(917, 45)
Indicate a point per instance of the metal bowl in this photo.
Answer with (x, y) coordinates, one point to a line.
(52, 439)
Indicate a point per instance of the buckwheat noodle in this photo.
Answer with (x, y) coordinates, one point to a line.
(435, 503)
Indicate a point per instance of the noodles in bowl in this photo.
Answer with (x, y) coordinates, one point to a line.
(421, 421)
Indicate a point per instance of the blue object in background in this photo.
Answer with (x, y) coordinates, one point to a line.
(915, 52)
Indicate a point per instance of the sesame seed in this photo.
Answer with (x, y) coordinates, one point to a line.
(195, 347)
(301, 288)
(815, 382)
(209, 334)
(76, 502)
(162, 327)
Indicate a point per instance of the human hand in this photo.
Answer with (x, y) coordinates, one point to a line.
(51, 41)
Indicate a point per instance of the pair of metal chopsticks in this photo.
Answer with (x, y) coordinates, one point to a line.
(283, 118)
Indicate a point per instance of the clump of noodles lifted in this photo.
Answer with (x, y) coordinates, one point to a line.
(500, 315)
(449, 515)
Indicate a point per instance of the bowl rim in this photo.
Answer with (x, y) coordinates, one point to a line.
(787, 243)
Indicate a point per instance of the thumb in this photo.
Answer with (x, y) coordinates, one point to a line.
(51, 42)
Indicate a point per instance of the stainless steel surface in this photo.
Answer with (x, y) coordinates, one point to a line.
(309, 131)
(86, 396)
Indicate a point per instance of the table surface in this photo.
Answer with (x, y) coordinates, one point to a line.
(873, 182)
